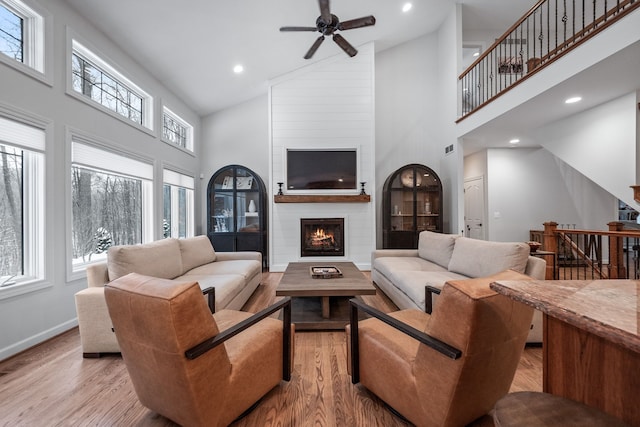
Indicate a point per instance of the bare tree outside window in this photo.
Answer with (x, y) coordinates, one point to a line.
(11, 246)
(107, 210)
(11, 34)
(104, 89)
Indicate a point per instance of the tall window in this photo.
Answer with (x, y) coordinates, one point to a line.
(176, 131)
(21, 202)
(94, 79)
(111, 202)
(178, 204)
(21, 35)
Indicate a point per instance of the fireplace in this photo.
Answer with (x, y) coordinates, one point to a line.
(321, 236)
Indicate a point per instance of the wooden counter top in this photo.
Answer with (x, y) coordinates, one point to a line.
(606, 308)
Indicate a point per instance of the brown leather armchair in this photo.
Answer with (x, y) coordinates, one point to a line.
(188, 365)
(444, 369)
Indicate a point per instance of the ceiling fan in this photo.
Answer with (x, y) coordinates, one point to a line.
(327, 24)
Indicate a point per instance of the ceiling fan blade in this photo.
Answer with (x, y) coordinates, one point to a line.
(345, 45)
(324, 11)
(357, 23)
(298, 29)
(314, 47)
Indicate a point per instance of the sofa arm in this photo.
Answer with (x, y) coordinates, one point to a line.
(379, 253)
(96, 329)
(249, 255)
(97, 275)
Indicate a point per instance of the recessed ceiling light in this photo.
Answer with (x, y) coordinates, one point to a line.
(476, 54)
(514, 141)
(238, 69)
(407, 7)
(573, 100)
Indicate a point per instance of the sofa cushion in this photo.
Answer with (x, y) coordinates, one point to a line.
(436, 247)
(479, 258)
(157, 259)
(388, 266)
(196, 251)
(412, 283)
(227, 285)
(246, 268)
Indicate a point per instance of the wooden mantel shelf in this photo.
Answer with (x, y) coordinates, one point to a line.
(329, 198)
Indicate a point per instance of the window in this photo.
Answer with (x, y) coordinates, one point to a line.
(178, 204)
(21, 203)
(21, 35)
(176, 131)
(94, 79)
(11, 30)
(111, 202)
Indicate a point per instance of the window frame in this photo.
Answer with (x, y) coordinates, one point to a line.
(176, 181)
(35, 202)
(104, 65)
(37, 40)
(166, 112)
(128, 160)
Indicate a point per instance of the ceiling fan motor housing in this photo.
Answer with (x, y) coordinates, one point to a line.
(327, 28)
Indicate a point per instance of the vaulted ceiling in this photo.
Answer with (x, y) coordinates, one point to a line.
(192, 47)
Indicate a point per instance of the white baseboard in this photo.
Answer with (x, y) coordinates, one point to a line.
(34, 340)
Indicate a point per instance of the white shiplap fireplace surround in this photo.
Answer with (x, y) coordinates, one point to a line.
(326, 105)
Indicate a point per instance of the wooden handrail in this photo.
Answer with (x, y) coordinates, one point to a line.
(608, 18)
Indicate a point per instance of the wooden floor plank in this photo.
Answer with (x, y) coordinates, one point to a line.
(51, 384)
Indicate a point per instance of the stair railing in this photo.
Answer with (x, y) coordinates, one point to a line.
(548, 31)
(590, 254)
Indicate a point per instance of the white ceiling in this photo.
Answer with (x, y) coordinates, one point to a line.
(192, 46)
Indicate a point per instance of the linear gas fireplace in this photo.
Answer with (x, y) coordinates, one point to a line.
(321, 236)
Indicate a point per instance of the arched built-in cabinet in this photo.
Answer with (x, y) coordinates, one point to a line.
(237, 211)
(412, 202)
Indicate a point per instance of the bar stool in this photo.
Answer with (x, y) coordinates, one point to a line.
(536, 409)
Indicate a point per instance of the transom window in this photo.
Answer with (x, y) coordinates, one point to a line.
(11, 30)
(21, 35)
(96, 80)
(176, 130)
(111, 202)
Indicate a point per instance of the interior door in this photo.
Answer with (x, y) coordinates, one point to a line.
(474, 208)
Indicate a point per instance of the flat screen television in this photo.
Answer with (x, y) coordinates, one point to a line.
(331, 169)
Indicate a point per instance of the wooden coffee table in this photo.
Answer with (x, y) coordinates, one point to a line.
(322, 303)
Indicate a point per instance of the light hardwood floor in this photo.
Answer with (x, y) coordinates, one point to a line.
(52, 385)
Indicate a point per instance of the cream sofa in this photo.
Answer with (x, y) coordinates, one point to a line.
(402, 274)
(233, 275)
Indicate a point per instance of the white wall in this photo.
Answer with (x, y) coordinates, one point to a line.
(329, 104)
(599, 141)
(33, 317)
(236, 135)
(527, 187)
(449, 55)
(406, 111)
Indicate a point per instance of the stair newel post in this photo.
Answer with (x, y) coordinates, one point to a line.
(616, 252)
(550, 244)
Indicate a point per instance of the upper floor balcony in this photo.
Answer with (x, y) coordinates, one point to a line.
(559, 47)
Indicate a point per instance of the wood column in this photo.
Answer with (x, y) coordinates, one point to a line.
(617, 269)
(550, 244)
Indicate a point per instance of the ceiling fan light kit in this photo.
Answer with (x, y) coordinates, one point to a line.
(327, 24)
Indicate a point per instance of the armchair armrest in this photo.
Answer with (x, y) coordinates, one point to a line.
(434, 343)
(213, 342)
(428, 297)
(210, 292)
